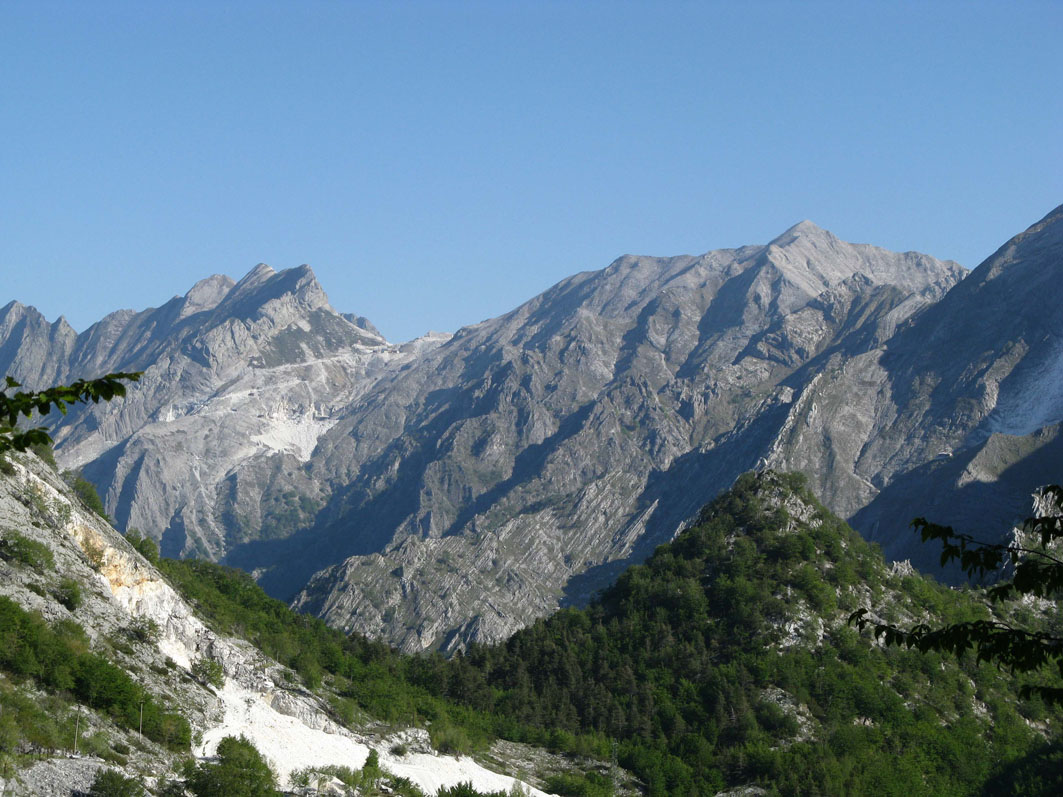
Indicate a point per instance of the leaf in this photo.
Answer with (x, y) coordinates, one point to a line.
(25, 403)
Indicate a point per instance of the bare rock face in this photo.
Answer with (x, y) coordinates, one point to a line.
(240, 380)
(523, 463)
(955, 416)
(457, 487)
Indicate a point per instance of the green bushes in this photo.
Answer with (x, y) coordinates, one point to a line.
(240, 771)
(467, 790)
(58, 660)
(145, 546)
(678, 662)
(143, 630)
(68, 593)
(86, 491)
(450, 739)
(21, 550)
(109, 783)
(208, 671)
(590, 784)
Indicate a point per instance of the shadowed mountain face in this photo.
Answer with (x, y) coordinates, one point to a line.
(456, 488)
(967, 397)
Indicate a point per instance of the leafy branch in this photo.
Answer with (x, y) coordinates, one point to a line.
(1034, 571)
(25, 403)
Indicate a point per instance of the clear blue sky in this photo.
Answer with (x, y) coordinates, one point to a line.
(439, 163)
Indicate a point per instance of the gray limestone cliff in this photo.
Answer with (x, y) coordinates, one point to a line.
(523, 463)
(962, 423)
(240, 380)
(457, 487)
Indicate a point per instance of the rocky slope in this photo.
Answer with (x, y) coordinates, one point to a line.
(240, 380)
(955, 416)
(454, 488)
(524, 462)
(134, 618)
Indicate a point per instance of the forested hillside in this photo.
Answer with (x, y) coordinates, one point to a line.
(724, 660)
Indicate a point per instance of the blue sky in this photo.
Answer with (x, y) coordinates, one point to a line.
(439, 163)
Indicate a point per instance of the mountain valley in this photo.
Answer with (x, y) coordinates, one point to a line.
(454, 488)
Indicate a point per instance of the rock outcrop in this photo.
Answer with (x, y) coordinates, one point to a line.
(120, 589)
(523, 463)
(240, 380)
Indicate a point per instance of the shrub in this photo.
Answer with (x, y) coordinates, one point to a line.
(145, 546)
(109, 783)
(404, 787)
(208, 671)
(466, 790)
(94, 553)
(86, 491)
(68, 593)
(371, 771)
(575, 785)
(143, 629)
(21, 550)
(240, 771)
(451, 739)
(44, 452)
(170, 788)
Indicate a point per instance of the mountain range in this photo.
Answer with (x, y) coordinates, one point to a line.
(454, 488)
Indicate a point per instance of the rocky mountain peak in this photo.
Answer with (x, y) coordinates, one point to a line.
(14, 313)
(11, 310)
(815, 260)
(206, 294)
(803, 229)
(1040, 244)
(262, 286)
(259, 273)
(23, 330)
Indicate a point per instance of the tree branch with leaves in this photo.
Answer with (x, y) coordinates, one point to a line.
(1026, 570)
(24, 403)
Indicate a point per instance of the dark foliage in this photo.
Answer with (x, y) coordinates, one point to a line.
(1033, 571)
(86, 492)
(145, 546)
(683, 662)
(109, 783)
(240, 771)
(19, 549)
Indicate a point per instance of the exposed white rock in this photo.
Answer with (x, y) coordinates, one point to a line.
(290, 744)
(289, 725)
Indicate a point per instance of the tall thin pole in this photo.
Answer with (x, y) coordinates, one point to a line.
(142, 720)
(77, 730)
(614, 768)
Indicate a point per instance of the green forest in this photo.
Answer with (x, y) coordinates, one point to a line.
(723, 660)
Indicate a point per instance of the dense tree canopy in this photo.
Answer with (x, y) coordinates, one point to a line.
(688, 665)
